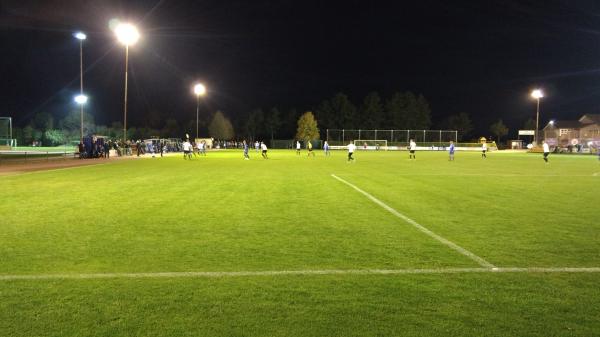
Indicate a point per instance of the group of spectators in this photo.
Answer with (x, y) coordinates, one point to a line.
(100, 148)
(95, 149)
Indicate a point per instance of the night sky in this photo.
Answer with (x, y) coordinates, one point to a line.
(479, 57)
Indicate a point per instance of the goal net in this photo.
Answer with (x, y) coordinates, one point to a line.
(6, 132)
(371, 144)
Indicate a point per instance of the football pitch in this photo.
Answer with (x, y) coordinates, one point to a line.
(299, 246)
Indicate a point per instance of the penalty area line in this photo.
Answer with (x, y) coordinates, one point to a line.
(214, 274)
(482, 262)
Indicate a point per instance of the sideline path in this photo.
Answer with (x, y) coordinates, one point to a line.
(53, 164)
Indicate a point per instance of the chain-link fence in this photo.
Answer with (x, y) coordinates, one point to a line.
(6, 137)
(338, 137)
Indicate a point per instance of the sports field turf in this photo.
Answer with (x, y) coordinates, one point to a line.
(219, 246)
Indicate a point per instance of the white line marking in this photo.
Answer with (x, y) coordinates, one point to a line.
(448, 243)
(596, 174)
(505, 175)
(215, 274)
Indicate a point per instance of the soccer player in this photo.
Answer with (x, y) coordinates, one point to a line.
(263, 147)
(483, 150)
(326, 148)
(246, 156)
(187, 150)
(451, 151)
(412, 147)
(297, 147)
(309, 146)
(546, 151)
(256, 145)
(351, 148)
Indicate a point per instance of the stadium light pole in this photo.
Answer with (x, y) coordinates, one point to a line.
(81, 99)
(537, 94)
(128, 35)
(199, 90)
(80, 36)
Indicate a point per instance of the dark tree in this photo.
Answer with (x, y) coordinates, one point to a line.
(220, 127)
(423, 114)
(371, 112)
(338, 113)
(347, 112)
(43, 121)
(273, 122)
(499, 130)
(461, 123)
(326, 116)
(254, 127)
(395, 112)
(529, 124)
(172, 129)
(289, 125)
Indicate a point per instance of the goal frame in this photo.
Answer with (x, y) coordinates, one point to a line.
(372, 144)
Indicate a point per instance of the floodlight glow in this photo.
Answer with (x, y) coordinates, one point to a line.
(127, 34)
(199, 89)
(81, 99)
(80, 36)
(537, 94)
(551, 122)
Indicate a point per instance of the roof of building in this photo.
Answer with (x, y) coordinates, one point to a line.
(590, 118)
(564, 125)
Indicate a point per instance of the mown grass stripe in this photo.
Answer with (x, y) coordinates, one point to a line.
(482, 262)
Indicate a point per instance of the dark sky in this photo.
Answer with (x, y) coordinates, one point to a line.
(480, 57)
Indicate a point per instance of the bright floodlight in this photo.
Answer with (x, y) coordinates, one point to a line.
(199, 89)
(81, 99)
(127, 34)
(537, 94)
(80, 36)
(551, 122)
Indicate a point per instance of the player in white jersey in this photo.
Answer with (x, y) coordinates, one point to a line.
(187, 150)
(412, 147)
(546, 151)
(351, 149)
(483, 150)
(264, 149)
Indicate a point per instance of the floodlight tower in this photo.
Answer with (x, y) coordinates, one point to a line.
(199, 90)
(128, 35)
(537, 94)
(80, 36)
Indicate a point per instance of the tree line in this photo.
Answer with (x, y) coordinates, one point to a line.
(401, 110)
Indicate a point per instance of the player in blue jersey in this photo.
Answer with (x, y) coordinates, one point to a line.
(451, 151)
(246, 156)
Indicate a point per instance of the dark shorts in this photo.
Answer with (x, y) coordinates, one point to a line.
(546, 154)
(412, 151)
(264, 151)
(483, 151)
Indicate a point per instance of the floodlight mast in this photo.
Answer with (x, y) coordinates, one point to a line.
(537, 94)
(80, 36)
(128, 35)
(199, 90)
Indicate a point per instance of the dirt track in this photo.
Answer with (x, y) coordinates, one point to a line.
(42, 165)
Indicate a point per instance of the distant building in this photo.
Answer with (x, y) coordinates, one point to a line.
(584, 132)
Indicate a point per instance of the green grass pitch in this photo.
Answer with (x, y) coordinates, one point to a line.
(82, 249)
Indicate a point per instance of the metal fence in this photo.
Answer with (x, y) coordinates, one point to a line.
(393, 137)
